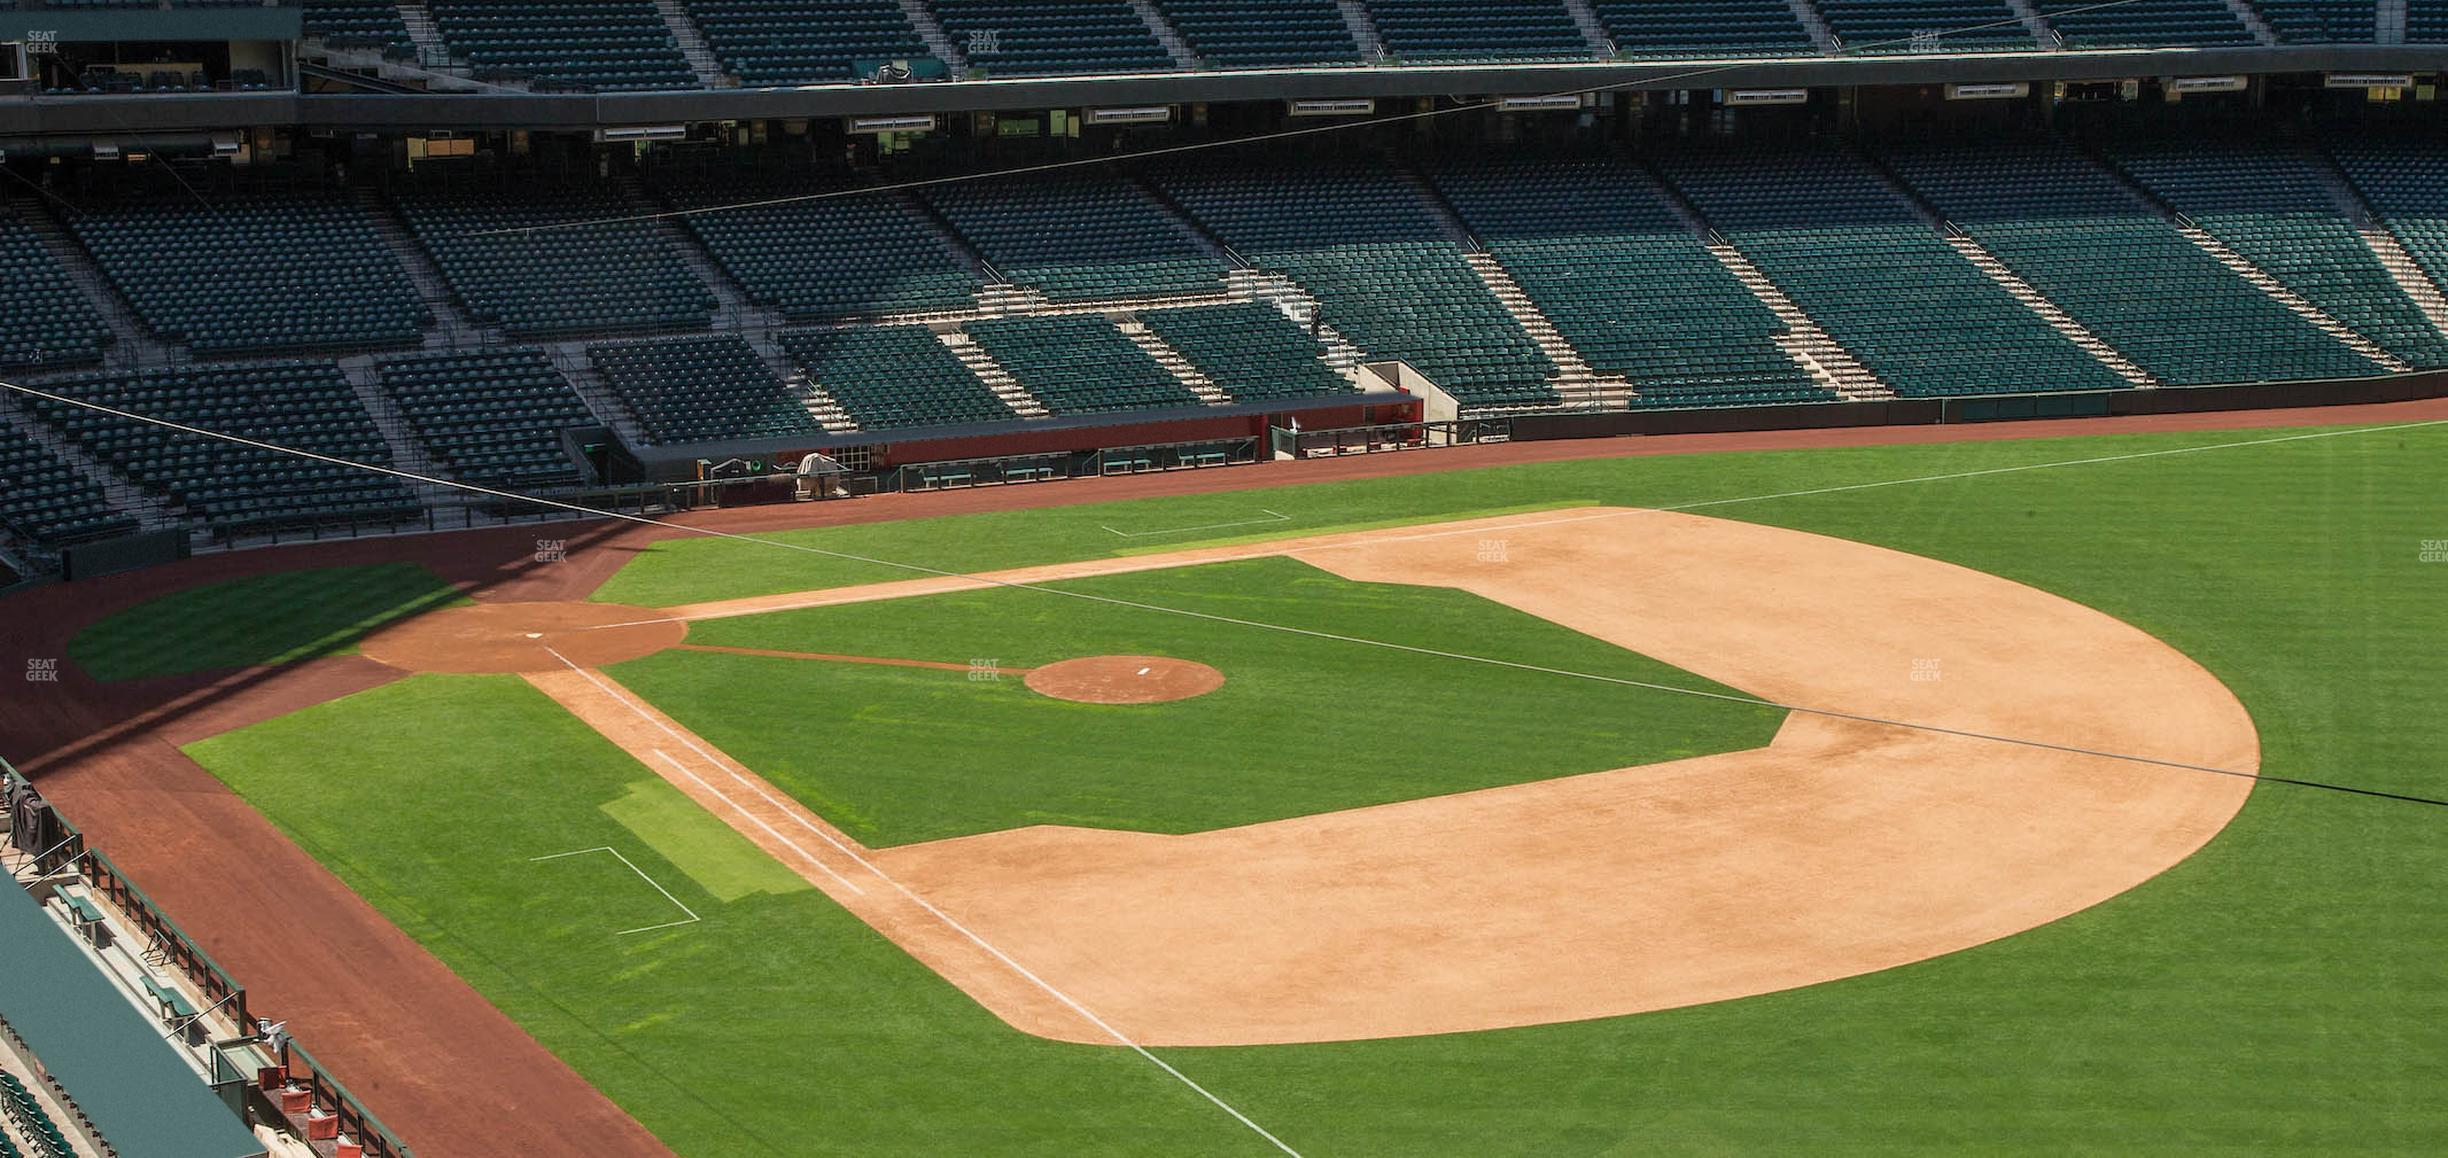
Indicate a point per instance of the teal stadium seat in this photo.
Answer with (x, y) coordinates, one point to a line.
(1854, 256)
(1078, 238)
(892, 377)
(586, 46)
(1251, 350)
(1080, 364)
(702, 390)
(493, 418)
(45, 501)
(1516, 30)
(44, 320)
(791, 42)
(821, 260)
(1052, 37)
(602, 275)
(1264, 33)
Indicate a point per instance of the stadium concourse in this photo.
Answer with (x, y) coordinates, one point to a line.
(495, 297)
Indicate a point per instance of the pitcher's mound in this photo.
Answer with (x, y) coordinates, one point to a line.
(1124, 679)
(523, 637)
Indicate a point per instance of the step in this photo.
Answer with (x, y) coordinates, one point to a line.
(1807, 12)
(453, 327)
(1593, 30)
(2263, 34)
(133, 344)
(2008, 280)
(2385, 244)
(995, 377)
(1006, 298)
(152, 513)
(2390, 26)
(1363, 26)
(604, 402)
(1174, 361)
(431, 51)
(1810, 347)
(408, 452)
(1575, 379)
(2049, 311)
(2047, 37)
(693, 48)
(2253, 275)
(931, 33)
(1161, 26)
(1295, 303)
(733, 307)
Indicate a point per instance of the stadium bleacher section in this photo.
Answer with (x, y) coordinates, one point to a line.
(493, 417)
(1892, 26)
(891, 377)
(817, 260)
(2426, 22)
(1080, 364)
(785, 42)
(2321, 21)
(1264, 33)
(2405, 180)
(1052, 37)
(2141, 23)
(1624, 281)
(1854, 256)
(1672, 28)
(534, 280)
(315, 274)
(1384, 274)
(227, 487)
(1250, 349)
(2268, 204)
(2062, 224)
(595, 46)
(701, 389)
(44, 320)
(1437, 30)
(45, 501)
(1078, 238)
(374, 24)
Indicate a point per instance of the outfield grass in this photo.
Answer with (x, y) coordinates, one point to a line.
(1302, 725)
(265, 619)
(2280, 991)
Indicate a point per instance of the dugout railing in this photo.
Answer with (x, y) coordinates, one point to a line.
(331, 1104)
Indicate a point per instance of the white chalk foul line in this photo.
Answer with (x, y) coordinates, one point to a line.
(947, 919)
(693, 918)
(1274, 517)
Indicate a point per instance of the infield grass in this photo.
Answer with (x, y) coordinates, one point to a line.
(1302, 724)
(2280, 991)
(263, 619)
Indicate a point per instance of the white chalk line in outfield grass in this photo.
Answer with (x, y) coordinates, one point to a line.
(693, 918)
(938, 914)
(1272, 517)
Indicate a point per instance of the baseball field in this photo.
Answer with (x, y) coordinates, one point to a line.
(2026, 795)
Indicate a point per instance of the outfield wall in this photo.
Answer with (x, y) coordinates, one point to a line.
(1994, 408)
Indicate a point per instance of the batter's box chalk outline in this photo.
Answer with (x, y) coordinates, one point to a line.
(693, 918)
(1272, 517)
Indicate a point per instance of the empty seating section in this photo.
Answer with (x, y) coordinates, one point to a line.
(1650, 28)
(2406, 183)
(1049, 37)
(1384, 275)
(359, 24)
(1625, 283)
(242, 273)
(1080, 364)
(600, 46)
(834, 258)
(1078, 238)
(45, 500)
(895, 376)
(596, 276)
(1926, 25)
(1250, 349)
(2323, 21)
(2061, 223)
(492, 418)
(702, 390)
(2270, 206)
(1855, 257)
(1264, 33)
(2204, 23)
(2427, 21)
(234, 488)
(25, 1112)
(1429, 30)
(779, 42)
(44, 320)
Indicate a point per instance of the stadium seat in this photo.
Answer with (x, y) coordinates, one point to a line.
(701, 390)
(491, 417)
(1439, 30)
(1078, 238)
(789, 42)
(1080, 364)
(1250, 350)
(602, 275)
(598, 46)
(889, 377)
(821, 260)
(1052, 37)
(1264, 33)
(44, 320)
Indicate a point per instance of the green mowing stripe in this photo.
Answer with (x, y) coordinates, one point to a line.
(1289, 530)
(2278, 992)
(266, 619)
(702, 846)
(1301, 725)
